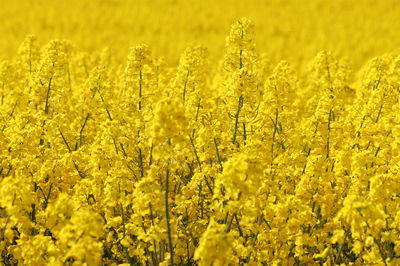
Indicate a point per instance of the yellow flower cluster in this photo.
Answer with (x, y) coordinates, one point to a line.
(142, 163)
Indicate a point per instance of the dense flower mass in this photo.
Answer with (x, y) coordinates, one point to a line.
(242, 162)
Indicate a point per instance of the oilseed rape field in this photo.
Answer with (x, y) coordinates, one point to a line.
(173, 132)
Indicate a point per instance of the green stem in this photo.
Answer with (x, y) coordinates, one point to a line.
(170, 246)
(46, 107)
(236, 125)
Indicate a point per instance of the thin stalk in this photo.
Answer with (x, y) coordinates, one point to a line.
(329, 131)
(140, 90)
(185, 88)
(238, 225)
(46, 106)
(170, 246)
(244, 131)
(81, 131)
(198, 110)
(140, 160)
(218, 156)
(195, 152)
(229, 225)
(151, 154)
(82, 175)
(274, 135)
(236, 125)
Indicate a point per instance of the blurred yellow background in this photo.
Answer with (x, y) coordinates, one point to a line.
(293, 30)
